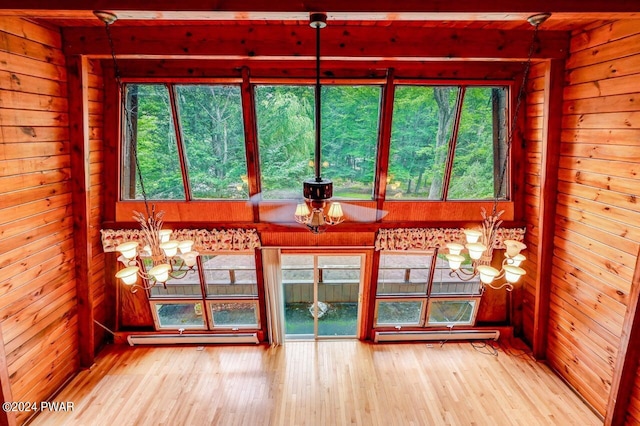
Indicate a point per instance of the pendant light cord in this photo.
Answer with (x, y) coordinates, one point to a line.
(318, 108)
(127, 115)
(512, 128)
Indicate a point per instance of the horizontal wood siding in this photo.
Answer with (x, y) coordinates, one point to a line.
(37, 284)
(597, 233)
(101, 291)
(533, 171)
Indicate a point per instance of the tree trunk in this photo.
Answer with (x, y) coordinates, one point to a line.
(445, 115)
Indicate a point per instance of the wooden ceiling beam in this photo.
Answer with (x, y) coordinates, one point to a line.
(337, 9)
(287, 42)
(199, 69)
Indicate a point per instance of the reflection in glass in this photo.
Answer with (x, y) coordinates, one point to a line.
(179, 315)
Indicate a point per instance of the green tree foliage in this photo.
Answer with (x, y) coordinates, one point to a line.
(149, 110)
(286, 138)
(473, 166)
(422, 122)
(212, 129)
(213, 135)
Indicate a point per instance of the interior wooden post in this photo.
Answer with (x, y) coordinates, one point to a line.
(624, 373)
(7, 418)
(551, 128)
(77, 67)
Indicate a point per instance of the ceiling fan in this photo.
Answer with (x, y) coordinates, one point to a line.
(317, 191)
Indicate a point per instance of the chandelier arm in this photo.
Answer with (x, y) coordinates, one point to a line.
(134, 288)
(507, 286)
(463, 274)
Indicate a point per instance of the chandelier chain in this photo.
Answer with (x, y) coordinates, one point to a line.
(516, 111)
(127, 114)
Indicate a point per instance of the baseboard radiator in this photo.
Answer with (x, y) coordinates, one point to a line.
(183, 339)
(408, 336)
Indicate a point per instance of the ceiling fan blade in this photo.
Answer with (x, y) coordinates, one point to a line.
(358, 213)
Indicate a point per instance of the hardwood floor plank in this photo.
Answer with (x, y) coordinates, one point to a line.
(320, 383)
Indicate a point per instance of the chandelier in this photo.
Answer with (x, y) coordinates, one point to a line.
(154, 256)
(318, 191)
(480, 243)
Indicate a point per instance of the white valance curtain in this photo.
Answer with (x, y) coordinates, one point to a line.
(205, 240)
(432, 238)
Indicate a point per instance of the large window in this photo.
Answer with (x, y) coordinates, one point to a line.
(417, 289)
(285, 120)
(447, 142)
(202, 157)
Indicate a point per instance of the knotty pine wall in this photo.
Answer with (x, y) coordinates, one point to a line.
(597, 232)
(38, 299)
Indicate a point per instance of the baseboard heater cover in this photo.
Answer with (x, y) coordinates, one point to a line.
(408, 336)
(178, 339)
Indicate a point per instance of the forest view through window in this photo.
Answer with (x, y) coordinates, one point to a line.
(446, 142)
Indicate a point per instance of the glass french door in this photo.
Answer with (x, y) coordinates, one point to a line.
(321, 294)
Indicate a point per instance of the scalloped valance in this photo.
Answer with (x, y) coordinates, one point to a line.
(431, 238)
(205, 240)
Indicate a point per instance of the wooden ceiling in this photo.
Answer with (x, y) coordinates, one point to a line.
(374, 31)
(567, 15)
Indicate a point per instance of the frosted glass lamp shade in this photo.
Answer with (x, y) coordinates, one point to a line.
(164, 235)
(487, 273)
(517, 260)
(455, 261)
(472, 235)
(513, 273)
(170, 248)
(128, 249)
(185, 246)
(513, 247)
(476, 250)
(189, 258)
(335, 212)
(129, 275)
(160, 272)
(455, 248)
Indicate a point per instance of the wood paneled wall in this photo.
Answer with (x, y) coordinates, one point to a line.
(597, 232)
(37, 284)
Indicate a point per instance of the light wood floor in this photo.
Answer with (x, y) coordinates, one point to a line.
(323, 383)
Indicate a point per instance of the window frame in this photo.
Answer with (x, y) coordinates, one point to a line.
(234, 327)
(205, 301)
(156, 318)
(427, 299)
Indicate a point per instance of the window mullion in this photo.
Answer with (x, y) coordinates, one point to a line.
(179, 142)
(446, 180)
(251, 139)
(384, 142)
